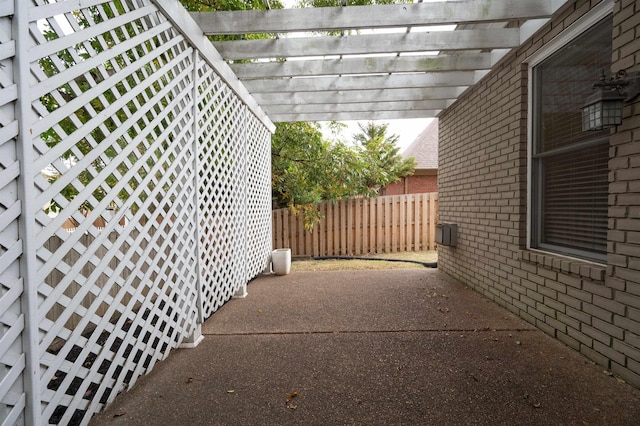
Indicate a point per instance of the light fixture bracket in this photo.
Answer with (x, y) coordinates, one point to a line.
(633, 88)
(627, 84)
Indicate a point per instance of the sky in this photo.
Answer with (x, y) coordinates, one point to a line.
(408, 129)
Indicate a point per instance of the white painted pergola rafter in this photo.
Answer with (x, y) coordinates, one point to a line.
(367, 17)
(355, 65)
(370, 44)
(360, 75)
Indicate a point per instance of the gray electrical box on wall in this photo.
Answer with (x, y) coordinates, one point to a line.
(447, 234)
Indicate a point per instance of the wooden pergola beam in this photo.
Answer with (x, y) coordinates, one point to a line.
(415, 70)
(362, 82)
(357, 107)
(361, 17)
(346, 116)
(370, 65)
(370, 44)
(338, 97)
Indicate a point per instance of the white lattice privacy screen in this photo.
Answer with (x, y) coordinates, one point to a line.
(134, 198)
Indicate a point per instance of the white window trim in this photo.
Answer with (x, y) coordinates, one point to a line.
(595, 15)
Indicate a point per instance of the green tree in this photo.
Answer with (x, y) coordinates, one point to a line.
(307, 169)
(380, 152)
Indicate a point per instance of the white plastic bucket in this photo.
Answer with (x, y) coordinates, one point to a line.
(281, 261)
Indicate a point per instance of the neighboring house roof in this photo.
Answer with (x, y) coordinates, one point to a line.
(425, 148)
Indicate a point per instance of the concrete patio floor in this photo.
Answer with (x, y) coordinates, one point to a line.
(409, 346)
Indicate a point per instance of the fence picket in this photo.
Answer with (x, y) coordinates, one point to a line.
(370, 225)
(424, 229)
(431, 238)
(409, 229)
(416, 223)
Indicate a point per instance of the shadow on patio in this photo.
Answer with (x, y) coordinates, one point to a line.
(405, 346)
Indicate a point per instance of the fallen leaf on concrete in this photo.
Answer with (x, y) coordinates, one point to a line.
(291, 396)
(231, 391)
(119, 413)
(189, 380)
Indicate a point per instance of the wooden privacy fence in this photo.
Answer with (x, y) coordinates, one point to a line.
(360, 226)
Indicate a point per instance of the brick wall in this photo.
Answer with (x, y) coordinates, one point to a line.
(482, 183)
(416, 184)
(623, 269)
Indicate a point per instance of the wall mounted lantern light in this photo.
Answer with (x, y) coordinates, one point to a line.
(603, 108)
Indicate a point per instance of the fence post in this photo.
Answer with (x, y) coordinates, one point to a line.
(27, 226)
(196, 337)
(241, 293)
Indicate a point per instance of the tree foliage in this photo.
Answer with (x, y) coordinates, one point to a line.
(70, 90)
(385, 165)
(307, 169)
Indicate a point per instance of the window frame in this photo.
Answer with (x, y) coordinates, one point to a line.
(602, 11)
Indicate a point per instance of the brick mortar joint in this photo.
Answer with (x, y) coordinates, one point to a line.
(567, 265)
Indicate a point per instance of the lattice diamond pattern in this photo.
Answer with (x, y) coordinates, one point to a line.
(221, 193)
(259, 197)
(133, 175)
(116, 136)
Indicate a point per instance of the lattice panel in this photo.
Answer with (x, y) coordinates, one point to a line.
(131, 175)
(113, 91)
(12, 358)
(258, 197)
(222, 189)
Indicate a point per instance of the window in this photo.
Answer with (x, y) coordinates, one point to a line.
(569, 167)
